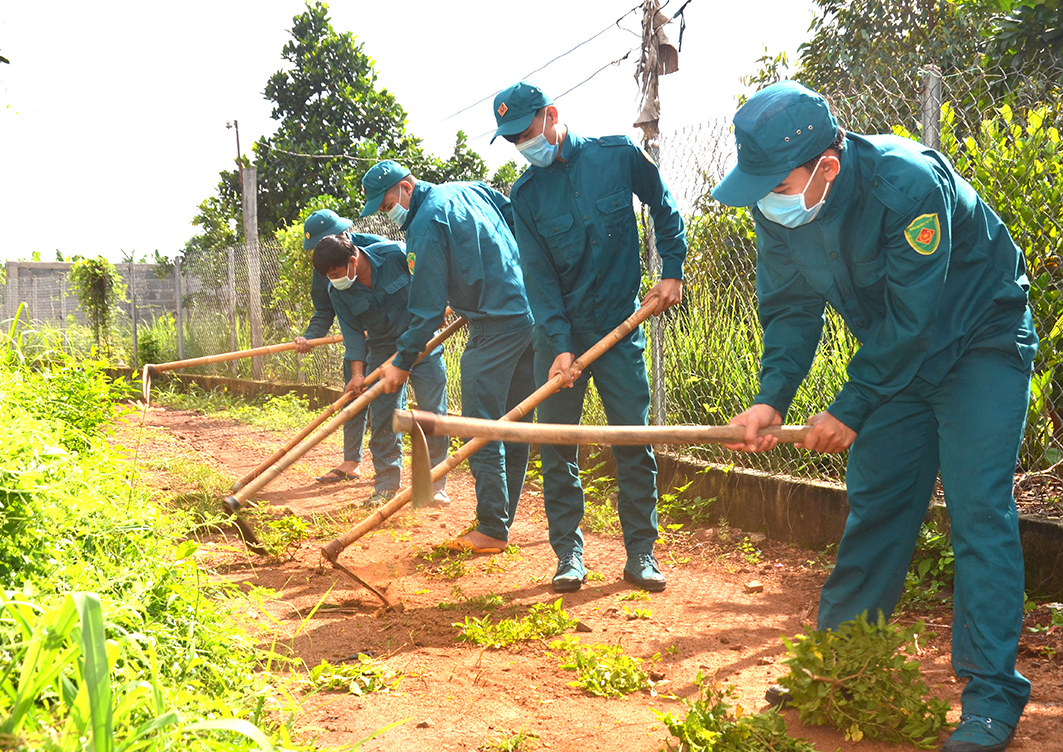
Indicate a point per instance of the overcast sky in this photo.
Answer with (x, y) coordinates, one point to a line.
(112, 114)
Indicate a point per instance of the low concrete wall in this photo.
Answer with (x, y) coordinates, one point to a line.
(797, 511)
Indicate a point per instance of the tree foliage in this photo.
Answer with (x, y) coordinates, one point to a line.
(99, 289)
(334, 123)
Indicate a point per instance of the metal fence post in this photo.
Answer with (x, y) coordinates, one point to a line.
(930, 107)
(230, 296)
(62, 300)
(133, 308)
(180, 311)
(254, 272)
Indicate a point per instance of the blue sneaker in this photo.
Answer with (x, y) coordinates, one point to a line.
(642, 571)
(570, 574)
(977, 733)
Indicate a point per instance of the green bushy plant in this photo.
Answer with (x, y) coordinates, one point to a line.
(862, 680)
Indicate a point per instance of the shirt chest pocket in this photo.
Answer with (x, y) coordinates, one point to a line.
(615, 212)
(869, 273)
(562, 239)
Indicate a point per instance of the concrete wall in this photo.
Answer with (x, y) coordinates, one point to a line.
(45, 289)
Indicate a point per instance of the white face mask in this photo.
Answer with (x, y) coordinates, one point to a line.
(789, 210)
(343, 282)
(537, 150)
(397, 213)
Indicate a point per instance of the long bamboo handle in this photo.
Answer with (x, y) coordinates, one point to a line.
(556, 433)
(330, 411)
(334, 547)
(151, 368)
(348, 412)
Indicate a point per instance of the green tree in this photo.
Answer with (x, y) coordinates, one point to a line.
(99, 289)
(334, 123)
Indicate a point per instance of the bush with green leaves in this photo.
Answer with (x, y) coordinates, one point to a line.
(99, 288)
(716, 723)
(603, 670)
(861, 679)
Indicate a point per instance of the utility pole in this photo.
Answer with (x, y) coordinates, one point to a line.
(658, 57)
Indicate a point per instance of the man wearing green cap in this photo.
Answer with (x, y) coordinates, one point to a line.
(369, 288)
(461, 250)
(927, 277)
(579, 248)
(319, 224)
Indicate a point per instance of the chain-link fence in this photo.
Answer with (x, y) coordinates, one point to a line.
(999, 128)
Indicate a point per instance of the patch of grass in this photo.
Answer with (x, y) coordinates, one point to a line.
(511, 742)
(635, 595)
(542, 622)
(638, 613)
(749, 552)
(603, 670)
(279, 534)
(359, 677)
(716, 723)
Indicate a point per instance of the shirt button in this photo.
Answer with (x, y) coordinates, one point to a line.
(585, 217)
(846, 291)
(833, 255)
(577, 194)
(594, 242)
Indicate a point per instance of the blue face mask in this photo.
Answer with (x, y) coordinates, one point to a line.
(397, 213)
(789, 210)
(538, 151)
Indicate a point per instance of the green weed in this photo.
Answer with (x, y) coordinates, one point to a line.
(542, 622)
(359, 677)
(604, 670)
(485, 602)
(716, 723)
(635, 595)
(928, 582)
(511, 742)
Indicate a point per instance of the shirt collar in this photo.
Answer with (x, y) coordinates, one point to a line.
(420, 191)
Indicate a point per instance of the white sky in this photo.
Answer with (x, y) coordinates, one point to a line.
(112, 114)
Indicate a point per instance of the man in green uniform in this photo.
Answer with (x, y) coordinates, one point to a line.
(928, 279)
(579, 248)
(461, 251)
(369, 289)
(319, 224)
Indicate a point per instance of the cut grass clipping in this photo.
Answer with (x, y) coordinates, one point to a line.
(603, 670)
(862, 680)
(544, 620)
(714, 724)
(358, 677)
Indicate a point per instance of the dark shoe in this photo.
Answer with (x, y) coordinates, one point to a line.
(778, 695)
(977, 733)
(641, 571)
(570, 574)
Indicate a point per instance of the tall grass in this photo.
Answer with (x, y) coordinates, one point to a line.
(713, 353)
(109, 640)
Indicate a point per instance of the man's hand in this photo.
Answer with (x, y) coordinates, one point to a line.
(302, 345)
(828, 435)
(668, 293)
(563, 365)
(755, 418)
(357, 382)
(393, 378)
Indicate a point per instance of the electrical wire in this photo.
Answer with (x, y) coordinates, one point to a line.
(546, 64)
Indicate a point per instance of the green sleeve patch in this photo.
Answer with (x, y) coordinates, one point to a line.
(410, 259)
(924, 234)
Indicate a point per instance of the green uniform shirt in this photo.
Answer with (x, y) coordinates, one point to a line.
(918, 266)
(578, 236)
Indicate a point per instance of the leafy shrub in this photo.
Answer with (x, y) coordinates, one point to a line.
(99, 288)
(861, 680)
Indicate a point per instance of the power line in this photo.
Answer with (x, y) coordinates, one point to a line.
(545, 65)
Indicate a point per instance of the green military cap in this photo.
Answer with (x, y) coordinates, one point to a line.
(321, 223)
(376, 182)
(781, 127)
(515, 108)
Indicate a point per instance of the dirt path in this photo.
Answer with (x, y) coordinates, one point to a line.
(460, 697)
